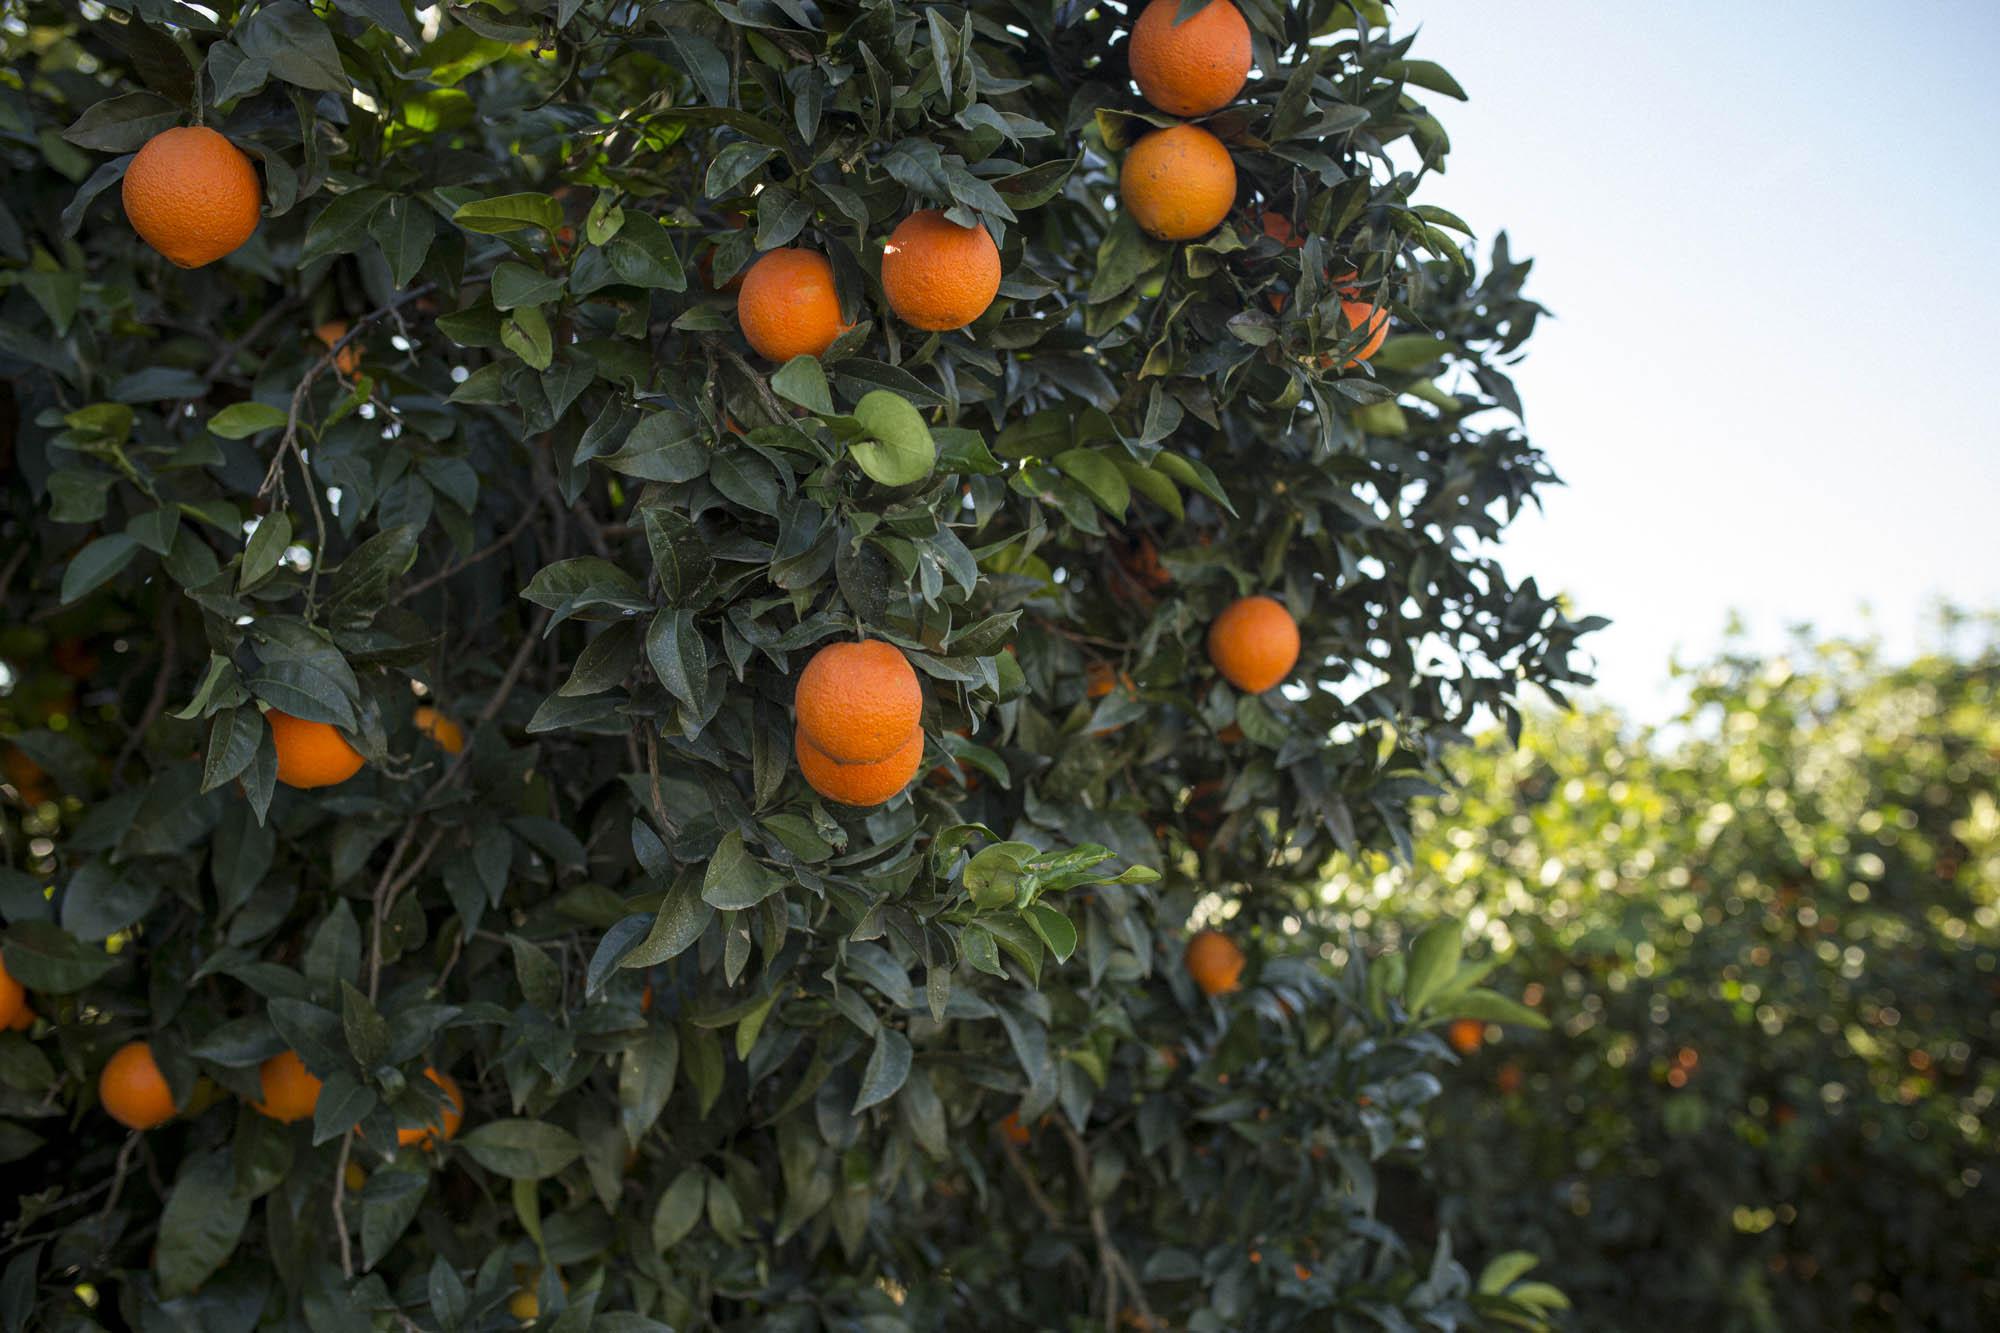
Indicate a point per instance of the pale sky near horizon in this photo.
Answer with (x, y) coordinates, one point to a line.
(1765, 233)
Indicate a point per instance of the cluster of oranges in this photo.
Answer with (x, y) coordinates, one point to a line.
(936, 274)
(1179, 183)
(135, 1093)
(315, 754)
(860, 737)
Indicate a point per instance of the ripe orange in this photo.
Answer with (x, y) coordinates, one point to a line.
(788, 307)
(1194, 66)
(858, 702)
(13, 999)
(450, 737)
(859, 784)
(1508, 1080)
(290, 1090)
(23, 1019)
(1214, 962)
(311, 754)
(1362, 314)
(450, 1116)
(1254, 643)
(937, 274)
(1099, 679)
(26, 776)
(1179, 182)
(1012, 1130)
(348, 359)
(192, 195)
(132, 1089)
(1465, 1035)
(1279, 228)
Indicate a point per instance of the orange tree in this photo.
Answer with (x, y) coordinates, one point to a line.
(1769, 941)
(407, 596)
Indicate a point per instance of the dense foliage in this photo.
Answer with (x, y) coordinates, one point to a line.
(1769, 940)
(733, 1057)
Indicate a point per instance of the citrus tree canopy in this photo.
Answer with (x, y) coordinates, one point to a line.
(436, 444)
(1769, 940)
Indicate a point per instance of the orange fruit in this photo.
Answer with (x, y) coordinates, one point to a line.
(1279, 228)
(787, 306)
(1012, 1130)
(858, 702)
(646, 999)
(450, 737)
(1358, 315)
(1302, 1273)
(1465, 1035)
(348, 359)
(13, 999)
(25, 775)
(1178, 183)
(937, 274)
(132, 1089)
(192, 195)
(1214, 962)
(451, 1115)
(1254, 643)
(1508, 1080)
(290, 1090)
(74, 659)
(1099, 680)
(23, 1019)
(1192, 66)
(858, 784)
(311, 754)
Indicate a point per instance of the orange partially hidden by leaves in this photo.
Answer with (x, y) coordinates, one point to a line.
(311, 754)
(937, 274)
(290, 1090)
(1099, 679)
(192, 195)
(348, 359)
(859, 784)
(132, 1089)
(23, 1020)
(1012, 1130)
(1465, 1035)
(449, 736)
(1363, 315)
(788, 307)
(72, 656)
(858, 702)
(451, 1115)
(1192, 66)
(1214, 962)
(13, 999)
(1179, 183)
(1279, 228)
(1254, 643)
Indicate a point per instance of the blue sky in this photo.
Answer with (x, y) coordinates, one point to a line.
(1767, 234)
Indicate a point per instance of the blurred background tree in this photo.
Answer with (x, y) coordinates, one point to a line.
(1768, 937)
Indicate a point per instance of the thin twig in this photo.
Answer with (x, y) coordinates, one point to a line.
(1035, 1193)
(1117, 1272)
(497, 545)
(340, 1204)
(14, 562)
(124, 1165)
(158, 699)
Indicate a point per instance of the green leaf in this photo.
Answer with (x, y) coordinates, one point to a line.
(342, 226)
(526, 334)
(296, 44)
(522, 1149)
(802, 380)
(682, 564)
(1491, 1007)
(679, 1209)
(266, 549)
(43, 957)
(97, 564)
(664, 446)
(885, 1072)
(735, 879)
(992, 876)
(122, 124)
(680, 921)
(203, 1219)
(232, 743)
(239, 421)
(97, 902)
(679, 657)
(1055, 929)
(1503, 1270)
(1096, 473)
(899, 450)
(645, 1081)
(509, 212)
(517, 285)
(1433, 959)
